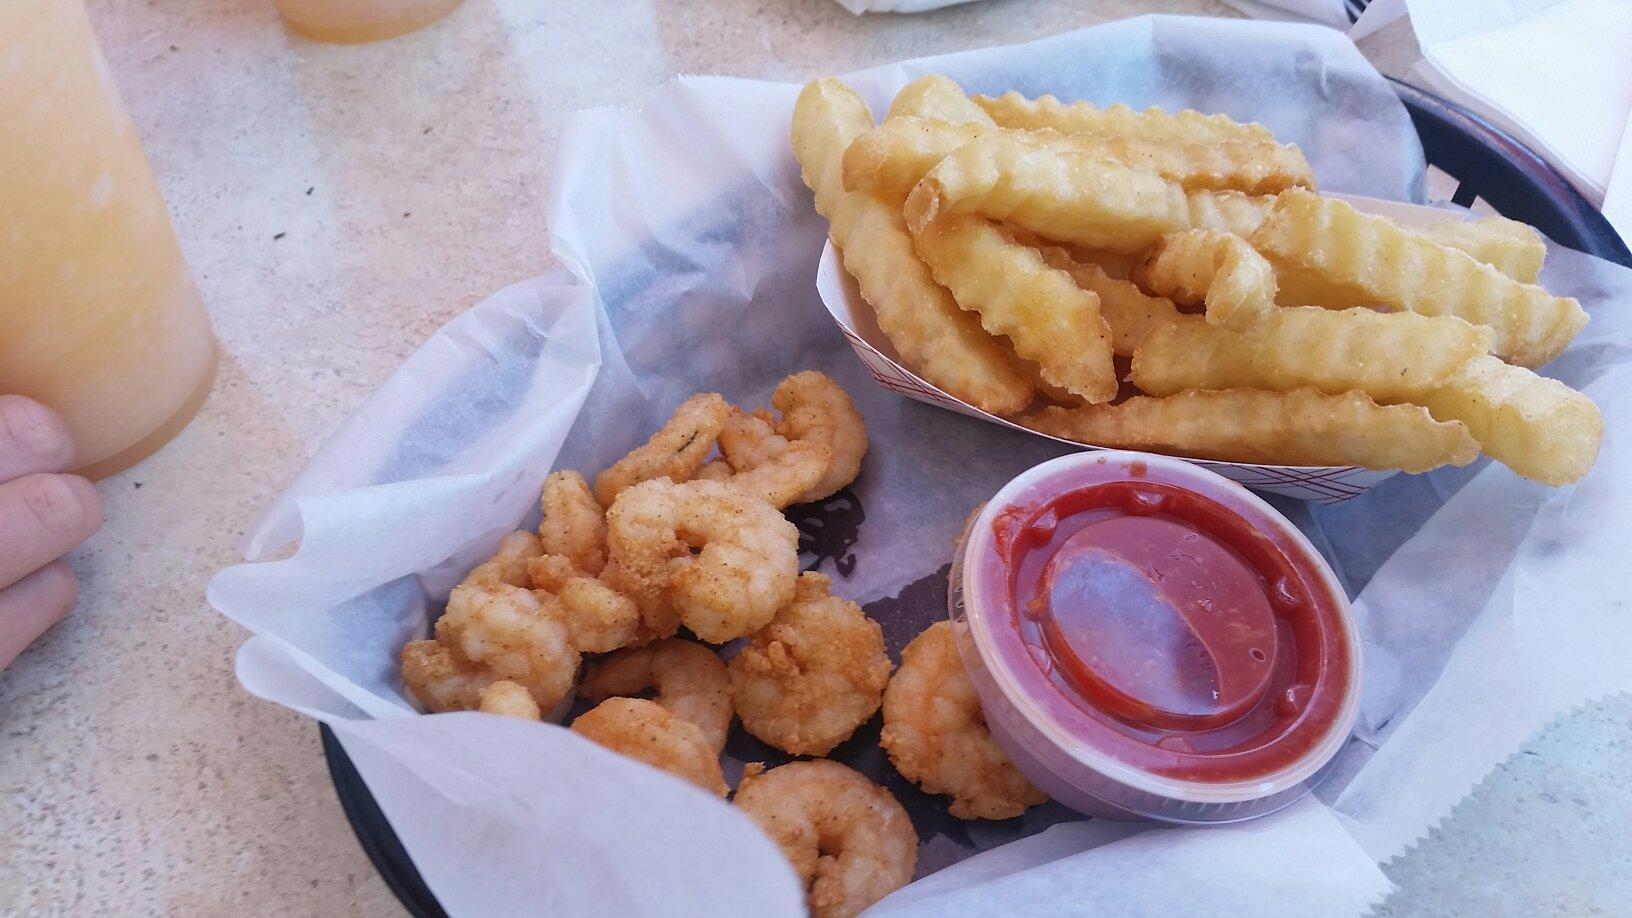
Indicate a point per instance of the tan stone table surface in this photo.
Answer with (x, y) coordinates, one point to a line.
(337, 204)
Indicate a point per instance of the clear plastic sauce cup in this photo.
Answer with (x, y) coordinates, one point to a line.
(1152, 640)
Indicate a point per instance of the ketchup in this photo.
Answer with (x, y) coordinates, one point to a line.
(1169, 631)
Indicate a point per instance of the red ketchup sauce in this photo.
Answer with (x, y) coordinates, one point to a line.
(1169, 631)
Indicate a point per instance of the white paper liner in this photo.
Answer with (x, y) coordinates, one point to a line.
(690, 245)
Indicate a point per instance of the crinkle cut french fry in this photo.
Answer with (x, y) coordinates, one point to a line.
(1303, 427)
(1128, 312)
(1200, 151)
(1538, 427)
(1386, 355)
(1511, 247)
(1399, 268)
(1228, 211)
(936, 96)
(1013, 110)
(890, 159)
(1065, 196)
(1218, 269)
(1047, 318)
(937, 340)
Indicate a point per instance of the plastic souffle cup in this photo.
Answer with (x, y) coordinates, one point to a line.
(1151, 640)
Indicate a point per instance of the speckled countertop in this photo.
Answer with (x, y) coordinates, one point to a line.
(338, 204)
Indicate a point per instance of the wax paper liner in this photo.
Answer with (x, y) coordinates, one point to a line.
(690, 245)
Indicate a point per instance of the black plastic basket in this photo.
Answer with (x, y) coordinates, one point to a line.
(1487, 163)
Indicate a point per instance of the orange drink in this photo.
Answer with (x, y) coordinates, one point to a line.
(357, 21)
(99, 317)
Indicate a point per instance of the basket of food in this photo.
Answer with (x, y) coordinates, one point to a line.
(643, 587)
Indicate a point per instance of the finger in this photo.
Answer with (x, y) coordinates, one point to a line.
(33, 438)
(33, 604)
(42, 518)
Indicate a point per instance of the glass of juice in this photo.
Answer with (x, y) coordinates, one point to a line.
(358, 21)
(99, 317)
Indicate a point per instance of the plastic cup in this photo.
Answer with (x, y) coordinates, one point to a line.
(1184, 710)
(99, 317)
(359, 21)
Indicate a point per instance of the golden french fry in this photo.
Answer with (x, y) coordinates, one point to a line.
(890, 159)
(1535, 426)
(1218, 269)
(1511, 247)
(1302, 427)
(1013, 110)
(1044, 314)
(1372, 256)
(936, 339)
(1128, 312)
(1232, 155)
(1065, 196)
(1386, 355)
(1068, 195)
(935, 96)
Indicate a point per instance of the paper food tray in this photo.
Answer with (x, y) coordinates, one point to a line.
(1319, 483)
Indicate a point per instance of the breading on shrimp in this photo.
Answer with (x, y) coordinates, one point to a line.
(598, 617)
(441, 681)
(509, 564)
(508, 699)
(808, 679)
(937, 737)
(686, 678)
(847, 838)
(574, 522)
(773, 469)
(675, 452)
(508, 631)
(647, 732)
(743, 569)
(716, 469)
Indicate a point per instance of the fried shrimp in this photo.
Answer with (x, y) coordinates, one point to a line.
(675, 452)
(743, 570)
(808, 679)
(846, 837)
(687, 678)
(936, 734)
(598, 617)
(509, 564)
(441, 681)
(773, 469)
(509, 699)
(574, 522)
(509, 632)
(647, 732)
(818, 419)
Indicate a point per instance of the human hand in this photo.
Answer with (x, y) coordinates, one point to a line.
(43, 516)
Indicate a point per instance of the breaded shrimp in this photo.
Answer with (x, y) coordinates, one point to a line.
(675, 452)
(597, 617)
(509, 632)
(808, 679)
(441, 681)
(815, 409)
(689, 680)
(846, 837)
(743, 571)
(509, 699)
(509, 564)
(936, 734)
(647, 732)
(574, 522)
(772, 469)
(819, 424)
